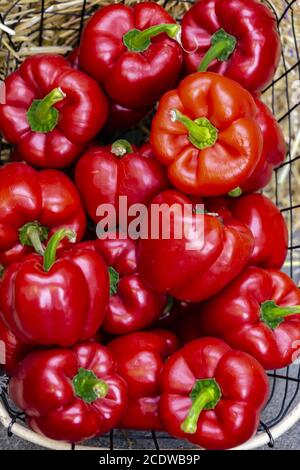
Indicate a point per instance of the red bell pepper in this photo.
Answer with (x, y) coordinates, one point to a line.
(268, 227)
(70, 394)
(54, 113)
(103, 174)
(140, 358)
(131, 51)
(236, 38)
(212, 395)
(221, 250)
(274, 149)
(132, 305)
(33, 205)
(206, 133)
(44, 301)
(12, 351)
(259, 312)
(119, 117)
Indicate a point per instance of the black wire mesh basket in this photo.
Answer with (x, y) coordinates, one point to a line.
(27, 28)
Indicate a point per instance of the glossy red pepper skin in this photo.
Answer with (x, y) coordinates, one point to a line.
(60, 306)
(42, 387)
(234, 146)
(102, 177)
(132, 306)
(256, 56)
(119, 117)
(274, 149)
(131, 79)
(235, 315)
(140, 357)
(170, 266)
(268, 227)
(26, 195)
(12, 351)
(81, 113)
(243, 390)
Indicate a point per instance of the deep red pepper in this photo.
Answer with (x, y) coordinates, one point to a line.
(266, 223)
(44, 301)
(12, 350)
(70, 394)
(54, 113)
(212, 395)
(140, 358)
(33, 205)
(125, 50)
(274, 149)
(103, 174)
(132, 305)
(259, 312)
(236, 38)
(221, 250)
(119, 117)
(206, 133)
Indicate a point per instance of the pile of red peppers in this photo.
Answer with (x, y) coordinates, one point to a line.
(118, 332)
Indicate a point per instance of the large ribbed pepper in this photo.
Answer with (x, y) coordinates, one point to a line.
(206, 133)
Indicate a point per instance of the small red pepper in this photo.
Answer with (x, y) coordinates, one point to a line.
(33, 205)
(198, 264)
(212, 395)
(45, 301)
(56, 111)
(70, 394)
(268, 227)
(131, 51)
(274, 149)
(103, 174)
(12, 350)
(259, 312)
(119, 117)
(132, 305)
(236, 38)
(140, 358)
(206, 133)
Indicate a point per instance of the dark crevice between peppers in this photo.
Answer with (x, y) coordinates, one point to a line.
(41, 115)
(273, 315)
(33, 234)
(139, 41)
(113, 280)
(202, 134)
(121, 147)
(205, 395)
(88, 386)
(222, 46)
(50, 251)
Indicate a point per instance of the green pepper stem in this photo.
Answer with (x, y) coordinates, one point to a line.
(202, 133)
(113, 280)
(139, 41)
(121, 147)
(273, 315)
(205, 395)
(222, 46)
(88, 386)
(41, 115)
(236, 192)
(2, 269)
(33, 234)
(50, 251)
